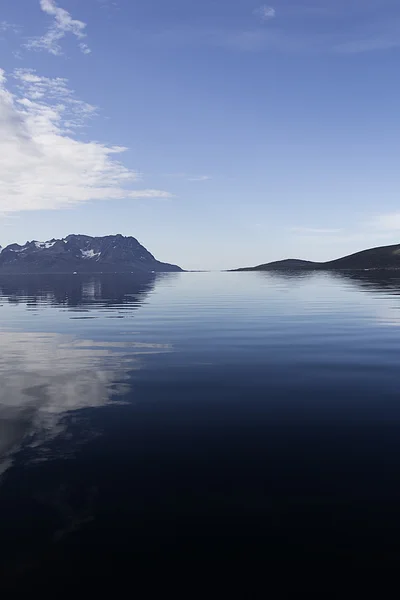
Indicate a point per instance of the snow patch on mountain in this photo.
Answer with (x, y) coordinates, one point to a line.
(41, 245)
(90, 253)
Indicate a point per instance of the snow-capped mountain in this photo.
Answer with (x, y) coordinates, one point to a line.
(81, 254)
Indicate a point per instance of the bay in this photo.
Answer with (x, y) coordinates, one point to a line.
(194, 416)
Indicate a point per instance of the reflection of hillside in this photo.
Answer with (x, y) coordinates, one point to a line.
(286, 274)
(384, 280)
(77, 290)
(373, 281)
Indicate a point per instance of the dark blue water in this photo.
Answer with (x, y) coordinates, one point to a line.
(194, 416)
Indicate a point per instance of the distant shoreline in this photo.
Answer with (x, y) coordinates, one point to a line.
(383, 257)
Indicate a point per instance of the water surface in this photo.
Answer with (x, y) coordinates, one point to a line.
(198, 415)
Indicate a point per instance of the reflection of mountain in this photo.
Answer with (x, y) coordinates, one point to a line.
(47, 376)
(77, 290)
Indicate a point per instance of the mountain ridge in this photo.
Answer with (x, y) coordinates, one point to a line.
(381, 257)
(82, 253)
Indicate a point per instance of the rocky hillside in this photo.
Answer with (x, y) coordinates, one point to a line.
(81, 254)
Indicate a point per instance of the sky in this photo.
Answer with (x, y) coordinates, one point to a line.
(220, 133)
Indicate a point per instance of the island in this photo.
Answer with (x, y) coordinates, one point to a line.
(82, 254)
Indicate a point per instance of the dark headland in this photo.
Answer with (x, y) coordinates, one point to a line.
(384, 257)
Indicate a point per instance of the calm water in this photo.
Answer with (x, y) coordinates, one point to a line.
(198, 415)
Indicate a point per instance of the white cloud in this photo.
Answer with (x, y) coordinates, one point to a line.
(265, 12)
(62, 25)
(44, 164)
(84, 48)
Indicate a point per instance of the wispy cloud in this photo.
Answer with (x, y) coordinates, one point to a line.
(84, 48)
(200, 178)
(265, 12)
(378, 231)
(45, 165)
(108, 4)
(6, 26)
(189, 177)
(62, 25)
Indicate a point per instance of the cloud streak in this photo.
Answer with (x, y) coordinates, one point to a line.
(320, 27)
(200, 178)
(368, 44)
(62, 25)
(45, 166)
(187, 177)
(314, 231)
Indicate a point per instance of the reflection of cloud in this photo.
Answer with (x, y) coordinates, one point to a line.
(46, 376)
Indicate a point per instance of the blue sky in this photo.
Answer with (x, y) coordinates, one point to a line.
(220, 133)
